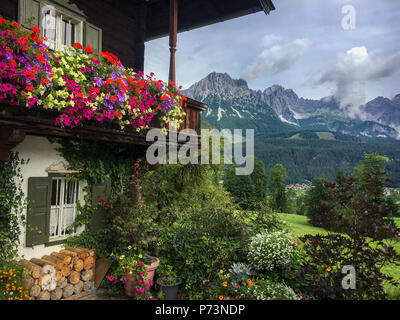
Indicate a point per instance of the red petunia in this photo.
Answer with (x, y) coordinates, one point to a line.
(88, 49)
(2, 21)
(45, 81)
(29, 88)
(35, 30)
(77, 46)
(16, 25)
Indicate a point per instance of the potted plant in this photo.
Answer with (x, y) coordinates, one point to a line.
(168, 282)
(137, 274)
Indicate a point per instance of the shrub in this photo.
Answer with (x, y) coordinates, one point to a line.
(196, 256)
(329, 254)
(239, 272)
(253, 289)
(269, 251)
(267, 290)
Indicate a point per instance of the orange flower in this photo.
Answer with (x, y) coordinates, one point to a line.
(221, 298)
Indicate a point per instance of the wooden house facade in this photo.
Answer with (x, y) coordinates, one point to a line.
(122, 27)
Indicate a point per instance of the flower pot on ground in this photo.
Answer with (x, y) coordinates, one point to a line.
(137, 275)
(140, 277)
(170, 292)
(168, 282)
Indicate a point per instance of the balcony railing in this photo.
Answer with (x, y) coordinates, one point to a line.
(16, 122)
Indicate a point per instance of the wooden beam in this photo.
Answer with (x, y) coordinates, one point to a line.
(9, 139)
(173, 37)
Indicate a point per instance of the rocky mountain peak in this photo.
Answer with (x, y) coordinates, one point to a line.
(218, 84)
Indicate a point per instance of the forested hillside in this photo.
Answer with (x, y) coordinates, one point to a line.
(307, 159)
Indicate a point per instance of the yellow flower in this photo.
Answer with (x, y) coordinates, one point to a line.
(130, 248)
(225, 284)
(122, 257)
(329, 269)
(140, 256)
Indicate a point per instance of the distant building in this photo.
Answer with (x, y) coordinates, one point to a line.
(301, 187)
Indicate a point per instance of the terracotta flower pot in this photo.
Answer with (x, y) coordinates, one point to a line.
(131, 284)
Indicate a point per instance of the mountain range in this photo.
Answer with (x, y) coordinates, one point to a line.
(233, 105)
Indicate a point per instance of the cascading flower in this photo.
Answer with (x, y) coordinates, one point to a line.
(82, 85)
(24, 64)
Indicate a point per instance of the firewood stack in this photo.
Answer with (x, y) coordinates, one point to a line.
(60, 275)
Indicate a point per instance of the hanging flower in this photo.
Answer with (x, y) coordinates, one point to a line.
(88, 49)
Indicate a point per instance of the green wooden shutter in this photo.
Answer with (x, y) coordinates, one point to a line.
(100, 190)
(38, 214)
(93, 36)
(28, 9)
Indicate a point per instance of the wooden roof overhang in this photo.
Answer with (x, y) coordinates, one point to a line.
(194, 14)
(16, 122)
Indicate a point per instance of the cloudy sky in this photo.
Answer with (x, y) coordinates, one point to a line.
(301, 45)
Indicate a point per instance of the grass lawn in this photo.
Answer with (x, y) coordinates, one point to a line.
(299, 226)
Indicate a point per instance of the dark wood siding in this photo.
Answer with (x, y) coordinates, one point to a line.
(121, 21)
(9, 9)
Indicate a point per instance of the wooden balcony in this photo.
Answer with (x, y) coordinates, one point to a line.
(16, 122)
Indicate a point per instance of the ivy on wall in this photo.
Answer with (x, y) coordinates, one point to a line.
(98, 162)
(12, 203)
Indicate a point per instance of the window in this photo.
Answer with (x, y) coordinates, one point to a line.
(60, 29)
(52, 208)
(61, 22)
(63, 210)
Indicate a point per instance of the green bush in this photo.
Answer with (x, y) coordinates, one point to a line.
(12, 202)
(270, 251)
(267, 290)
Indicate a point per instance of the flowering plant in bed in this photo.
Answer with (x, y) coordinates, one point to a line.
(25, 65)
(82, 85)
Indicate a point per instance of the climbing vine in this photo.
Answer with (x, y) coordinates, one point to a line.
(96, 162)
(12, 203)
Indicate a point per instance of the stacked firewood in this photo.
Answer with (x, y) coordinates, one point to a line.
(60, 275)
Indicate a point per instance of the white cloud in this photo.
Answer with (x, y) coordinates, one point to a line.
(277, 59)
(269, 39)
(354, 71)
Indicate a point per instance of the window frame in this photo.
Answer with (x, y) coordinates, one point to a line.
(63, 177)
(61, 15)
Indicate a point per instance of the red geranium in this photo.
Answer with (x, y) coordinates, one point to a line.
(16, 25)
(88, 49)
(77, 46)
(35, 30)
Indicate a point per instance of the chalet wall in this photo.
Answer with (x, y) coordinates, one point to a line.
(9, 9)
(121, 21)
(118, 20)
(42, 154)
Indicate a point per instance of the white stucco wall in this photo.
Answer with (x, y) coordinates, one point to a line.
(41, 154)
